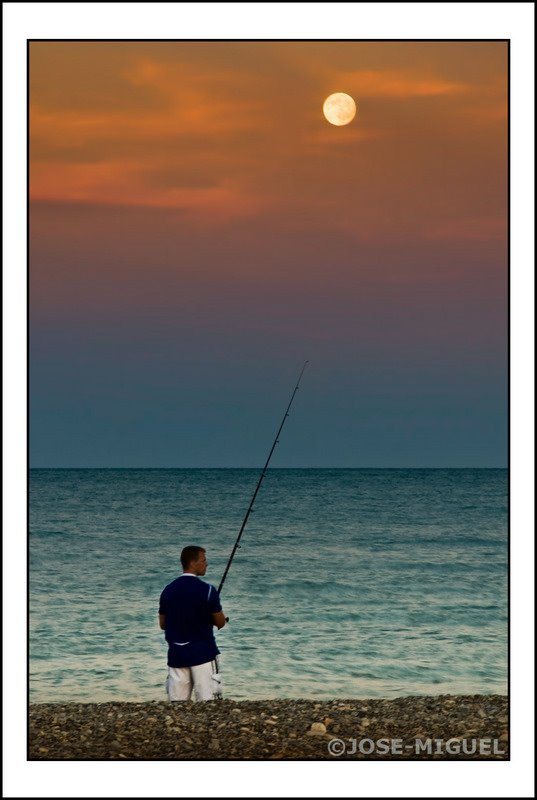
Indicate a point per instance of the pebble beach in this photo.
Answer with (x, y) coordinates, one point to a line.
(446, 727)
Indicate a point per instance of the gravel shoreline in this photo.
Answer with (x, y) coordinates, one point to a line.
(412, 728)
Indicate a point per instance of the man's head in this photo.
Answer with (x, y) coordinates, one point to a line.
(193, 560)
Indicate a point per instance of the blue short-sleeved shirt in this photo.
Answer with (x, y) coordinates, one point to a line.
(189, 603)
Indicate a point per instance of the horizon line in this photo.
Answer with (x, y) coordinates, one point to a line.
(274, 468)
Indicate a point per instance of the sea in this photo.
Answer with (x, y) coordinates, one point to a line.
(349, 583)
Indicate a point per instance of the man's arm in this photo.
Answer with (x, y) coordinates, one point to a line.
(219, 619)
(162, 621)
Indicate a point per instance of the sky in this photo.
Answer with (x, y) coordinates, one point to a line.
(198, 230)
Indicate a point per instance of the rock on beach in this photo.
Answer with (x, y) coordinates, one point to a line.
(273, 729)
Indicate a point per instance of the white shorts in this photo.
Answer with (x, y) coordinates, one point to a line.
(203, 678)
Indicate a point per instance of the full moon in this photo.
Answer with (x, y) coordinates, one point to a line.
(339, 108)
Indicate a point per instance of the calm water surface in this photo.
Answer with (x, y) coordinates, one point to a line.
(349, 583)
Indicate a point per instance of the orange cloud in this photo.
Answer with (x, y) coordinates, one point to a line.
(193, 101)
(345, 135)
(122, 183)
(397, 83)
(226, 135)
(183, 152)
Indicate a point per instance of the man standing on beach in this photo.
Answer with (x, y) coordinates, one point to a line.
(188, 610)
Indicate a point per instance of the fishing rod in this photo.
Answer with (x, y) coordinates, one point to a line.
(216, 672)
(236, 546)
